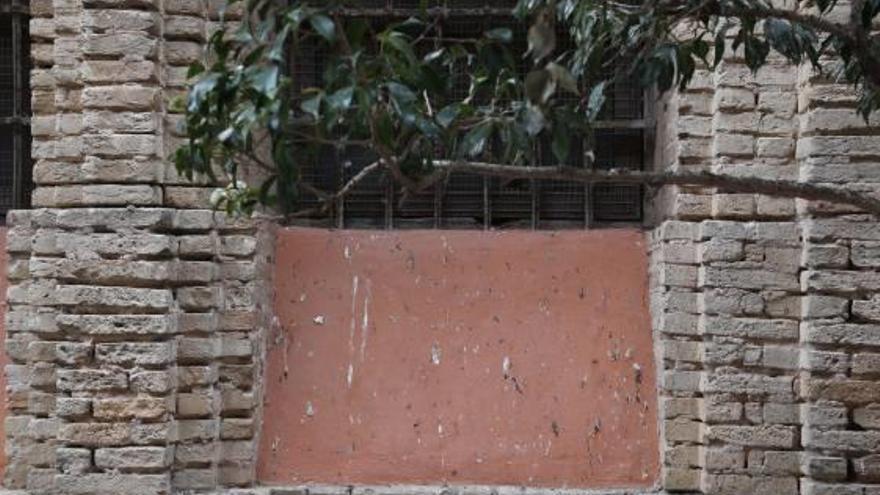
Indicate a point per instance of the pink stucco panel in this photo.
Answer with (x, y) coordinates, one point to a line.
(433, 357)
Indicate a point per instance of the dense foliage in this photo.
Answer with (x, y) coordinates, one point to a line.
(395, 88)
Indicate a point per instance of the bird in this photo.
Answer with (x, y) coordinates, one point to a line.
(542, 36)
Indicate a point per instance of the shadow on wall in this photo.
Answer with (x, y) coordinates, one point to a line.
(426, 357)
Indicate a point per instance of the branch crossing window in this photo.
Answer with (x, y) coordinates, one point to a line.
(467, 201)
(15, 107)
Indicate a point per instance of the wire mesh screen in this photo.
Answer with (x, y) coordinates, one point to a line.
(618, 148)
(7, 166)
(15, 138)
(7, 75)
(469, 201)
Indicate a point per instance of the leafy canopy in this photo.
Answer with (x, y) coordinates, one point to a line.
(420, 102)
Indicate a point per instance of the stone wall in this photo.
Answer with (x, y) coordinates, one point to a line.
(134, 312)
(765, 309)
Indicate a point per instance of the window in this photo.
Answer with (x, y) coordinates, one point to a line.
(469, 201)
(15, 137)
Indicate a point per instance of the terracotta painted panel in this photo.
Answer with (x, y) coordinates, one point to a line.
(432, 357)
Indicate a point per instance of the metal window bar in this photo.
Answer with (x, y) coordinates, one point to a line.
(468, 201)
(15, 138)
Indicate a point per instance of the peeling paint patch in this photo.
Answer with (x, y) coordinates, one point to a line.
(436, 353)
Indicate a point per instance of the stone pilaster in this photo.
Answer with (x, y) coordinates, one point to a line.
(135, 312)
(726, 283)
(840, 330)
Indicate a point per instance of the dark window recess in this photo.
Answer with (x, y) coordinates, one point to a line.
(472, 201)
(15, 136)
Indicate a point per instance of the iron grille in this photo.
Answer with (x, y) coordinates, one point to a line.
(15, 136)
(467, 201)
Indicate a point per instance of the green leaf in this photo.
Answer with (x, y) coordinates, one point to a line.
(563, 77)
(542, 36)
(539, 86)
(501, 35)
(200, 90)
(434, 55)
(756, 51)
(227, 135)
(474, 142)
(385, 130)
(324, 26)
(561, 145)
(401, 94)
(720, 44)
(195, 69)
(448, 115)
(265, 80)
(341, 100)
(534, 120)
(700, 48)
(595, 101)
(312, 106)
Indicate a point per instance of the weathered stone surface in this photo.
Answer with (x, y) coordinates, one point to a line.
(131, 408)
(91, 380)
(116, 483)
(133, 457)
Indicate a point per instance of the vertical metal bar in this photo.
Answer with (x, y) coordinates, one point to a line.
(533, 189)
(487, 208)
(648, 119)
(340, 202)
(438, 206)
(588, 220)
(17, 95)
(389, 205)
(533, 185)
(590, 151)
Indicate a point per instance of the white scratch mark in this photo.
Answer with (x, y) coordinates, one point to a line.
(354, 292)
(347, 253)
(318, 320)
(302, 297)
(505, 365)
(351, 329)
(365, 321)
(436, 353)
(310, 409)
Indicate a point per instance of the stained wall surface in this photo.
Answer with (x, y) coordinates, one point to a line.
(458, 357)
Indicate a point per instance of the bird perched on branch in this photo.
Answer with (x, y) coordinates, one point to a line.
(542, 36)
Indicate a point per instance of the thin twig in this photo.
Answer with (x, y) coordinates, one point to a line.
(366, 171)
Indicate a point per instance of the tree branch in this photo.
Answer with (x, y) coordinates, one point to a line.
(815, 22)
(751, 185)
(327, 200)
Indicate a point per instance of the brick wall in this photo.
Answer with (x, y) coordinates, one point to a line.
(134, 312)
(766, 309)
